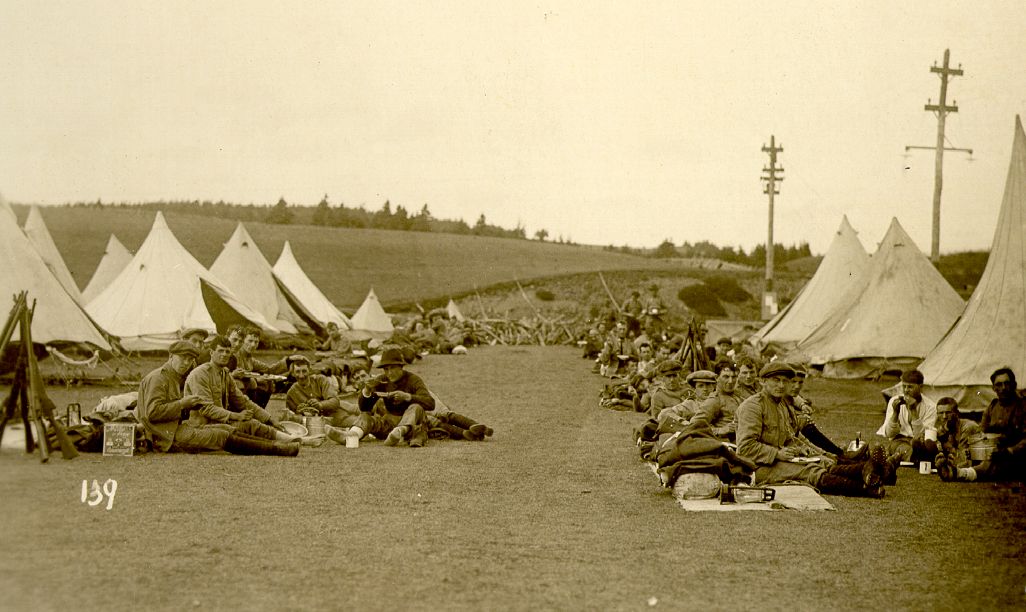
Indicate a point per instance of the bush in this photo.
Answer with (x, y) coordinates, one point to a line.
(727, 289)
(702, 300)
(544, 295)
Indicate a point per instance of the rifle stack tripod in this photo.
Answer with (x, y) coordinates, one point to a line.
(28, 394)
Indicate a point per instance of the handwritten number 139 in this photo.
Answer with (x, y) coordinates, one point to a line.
(94, 494)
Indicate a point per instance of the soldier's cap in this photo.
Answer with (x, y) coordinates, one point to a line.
(181, 347)
(297, 358)
(776, 368)
(668, 367)
(192, 331)
(703, 376)
(392, 356)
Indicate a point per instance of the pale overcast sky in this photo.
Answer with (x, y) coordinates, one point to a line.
(608, 122)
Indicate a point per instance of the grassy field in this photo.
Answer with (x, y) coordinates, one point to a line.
(401, 266)
(555, 512)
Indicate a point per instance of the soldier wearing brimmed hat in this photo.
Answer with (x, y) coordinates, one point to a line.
(163, 412)
(768, 434)
(392, 405)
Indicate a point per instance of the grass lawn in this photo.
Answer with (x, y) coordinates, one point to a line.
(555, 512)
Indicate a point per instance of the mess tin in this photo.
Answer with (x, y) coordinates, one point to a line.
(747, 495)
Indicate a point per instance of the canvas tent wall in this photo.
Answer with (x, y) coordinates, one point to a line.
(58, 318)
(902, 312)
(288, 271)
(453, 311)
(115, 258)
(40, 237)
(839, 278)
(371, 316)
(247, 273)
(991, 333)
(163, 290)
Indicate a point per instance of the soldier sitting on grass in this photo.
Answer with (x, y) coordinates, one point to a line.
(317, 394)
(163, 412)
(768, 434)
(393, 405)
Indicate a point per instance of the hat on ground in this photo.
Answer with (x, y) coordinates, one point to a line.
(391, 356)
(291, 359)
(698, 376)
(192, 331)
(913, 377)
(182, 347)
(776, 368)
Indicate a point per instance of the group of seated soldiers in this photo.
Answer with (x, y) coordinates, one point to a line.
(766, 428)
(212, 395)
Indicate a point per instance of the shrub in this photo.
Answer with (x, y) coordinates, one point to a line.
(544, 295)
(727, 289)
(702, 300)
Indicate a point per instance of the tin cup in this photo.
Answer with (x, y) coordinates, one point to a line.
(352, 442)
(925, 467)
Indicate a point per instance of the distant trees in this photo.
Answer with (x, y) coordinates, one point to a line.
(279, 213)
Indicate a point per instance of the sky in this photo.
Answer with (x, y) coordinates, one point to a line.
(602, 122)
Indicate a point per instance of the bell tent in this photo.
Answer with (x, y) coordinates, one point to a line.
(904, 309)
(371, 316)
(115, 258)
(40, 237)
(247, 273)
(58, 319)
(991, 333)
(163, 290)
(288, 271)
(839, 277)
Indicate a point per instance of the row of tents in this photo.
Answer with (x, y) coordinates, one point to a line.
(860, 316)
(143, 301)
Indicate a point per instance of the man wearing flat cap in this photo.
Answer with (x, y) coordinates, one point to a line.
(392, 405)
(910, 422)
(702, 383)
(163, 412)
(768, 434)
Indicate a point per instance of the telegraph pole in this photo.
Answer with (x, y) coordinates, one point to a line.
(942, 109)
(771, 176)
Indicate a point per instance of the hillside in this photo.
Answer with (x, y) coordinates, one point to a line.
(403, 267)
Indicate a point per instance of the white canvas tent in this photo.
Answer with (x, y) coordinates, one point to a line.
(453, 311)
(247, 273)
(163, 290)
(289, 272)
(903, 311)
(838, 279)
(371, 316)
(991, 332)
(115, 258)
(40, 237)
(58, 318)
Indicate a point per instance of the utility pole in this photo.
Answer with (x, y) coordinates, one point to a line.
(942, 109)
(769, 297)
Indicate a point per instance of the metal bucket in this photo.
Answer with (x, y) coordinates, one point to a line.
(315, 425)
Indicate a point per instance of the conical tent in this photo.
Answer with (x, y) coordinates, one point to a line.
(163, 290)
(246, 272)
(58, 318)
(839, 277)
(903, 311)
(371, 316)
(454, 312)
(991, 332)
(40, 237)
(290, 274)
(115, 258)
